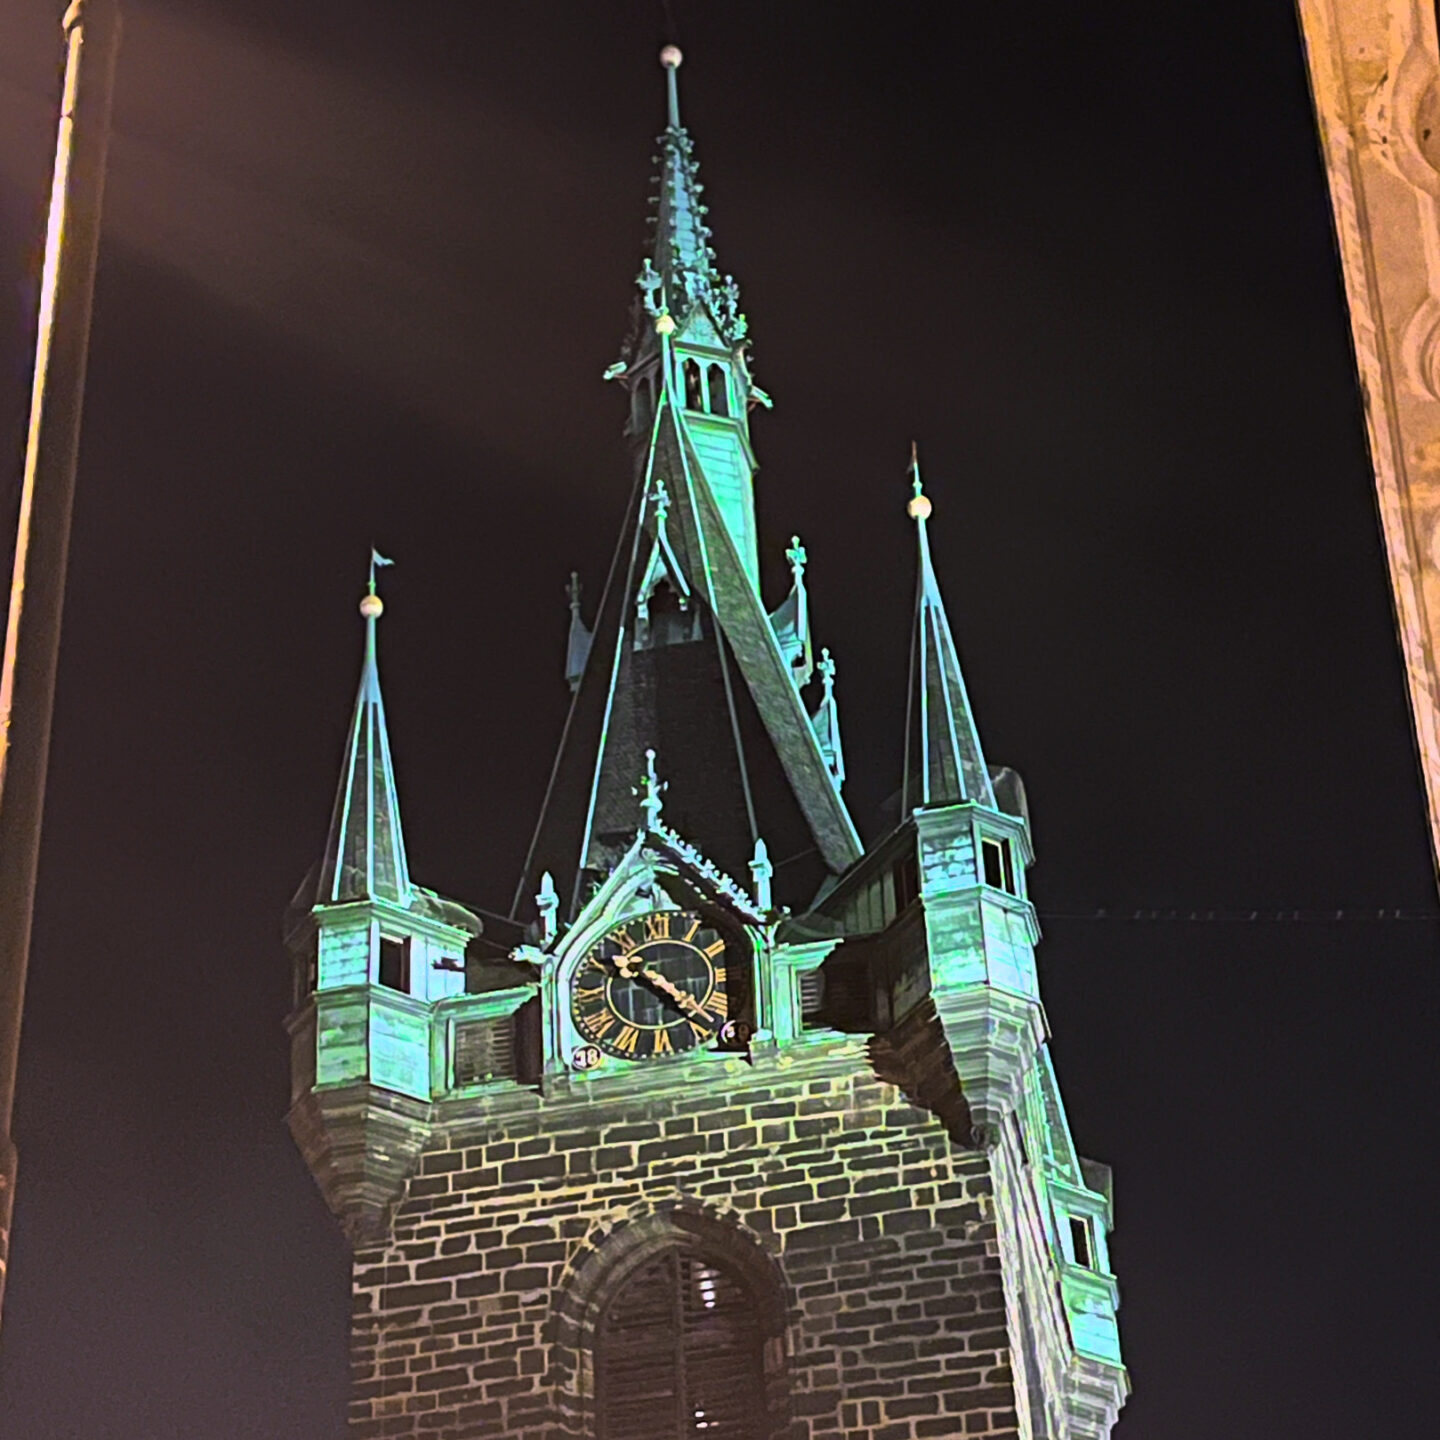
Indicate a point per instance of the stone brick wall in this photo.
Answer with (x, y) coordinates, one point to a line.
(872, 1231)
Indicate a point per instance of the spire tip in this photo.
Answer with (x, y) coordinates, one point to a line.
(372, 607)
(919, 506)
(670, 58)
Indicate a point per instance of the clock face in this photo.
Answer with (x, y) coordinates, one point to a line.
(652, 987)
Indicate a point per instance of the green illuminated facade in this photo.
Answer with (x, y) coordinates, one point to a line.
(741, 1128)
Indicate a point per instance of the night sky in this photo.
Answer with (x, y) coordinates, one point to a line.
(364, 264)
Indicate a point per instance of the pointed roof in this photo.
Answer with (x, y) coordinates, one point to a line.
(365, 851)
(750, 760)
(943, 760)
(680, 274)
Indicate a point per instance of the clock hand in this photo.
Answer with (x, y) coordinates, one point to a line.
(631, 967)
(683, 998)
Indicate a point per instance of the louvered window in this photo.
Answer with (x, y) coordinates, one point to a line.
(484, 1050)
(679, 1355)
(812, 998)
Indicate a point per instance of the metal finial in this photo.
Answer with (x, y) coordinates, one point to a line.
(572, 592)
(670, 58)
(371, 605)
(919, 507)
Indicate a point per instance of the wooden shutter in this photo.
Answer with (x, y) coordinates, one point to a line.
(679, 1355)
(484, 1050)
(812, 998)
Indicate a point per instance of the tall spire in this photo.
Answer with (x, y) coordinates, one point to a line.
(365, 850)
(943, 760)
(681, 265)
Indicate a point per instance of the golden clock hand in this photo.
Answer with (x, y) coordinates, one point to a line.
(683, 998)
(631, 967)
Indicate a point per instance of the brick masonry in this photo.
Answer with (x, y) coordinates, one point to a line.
(872, 1231)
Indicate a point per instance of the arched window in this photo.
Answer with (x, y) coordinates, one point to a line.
(694, 390)
(716, 380)
(679, 1353)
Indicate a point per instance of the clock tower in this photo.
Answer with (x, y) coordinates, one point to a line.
(722, 1147)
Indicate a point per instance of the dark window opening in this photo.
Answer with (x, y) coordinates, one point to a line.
(907, 882)
(847, 992)
(307, 973)
(678, 1353)
(395, 964)
(694, 392)
(1020, 1136)
(1080, 1241)
(716, 379)
(670, 623)
(997, 865)
(644, 411)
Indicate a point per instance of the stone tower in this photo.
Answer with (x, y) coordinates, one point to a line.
(722, 1146)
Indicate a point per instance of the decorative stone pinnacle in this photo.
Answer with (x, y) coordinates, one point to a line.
(649, 282)
(761, 871)
(826, 667)
(650, 790)
(547, 902)
(797, 557)
(572, 592)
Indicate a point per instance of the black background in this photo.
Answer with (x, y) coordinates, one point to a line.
(363, 266)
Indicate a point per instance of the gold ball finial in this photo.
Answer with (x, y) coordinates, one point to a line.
(919, 507)
(670, 57)
(664, 323)
(372, 607)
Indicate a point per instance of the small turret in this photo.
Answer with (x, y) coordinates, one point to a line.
(373, 953)
(980, 927)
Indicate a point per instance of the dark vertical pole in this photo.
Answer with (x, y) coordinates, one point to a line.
(32, 637)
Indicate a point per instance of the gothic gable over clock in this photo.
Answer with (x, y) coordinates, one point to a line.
(695, 1142)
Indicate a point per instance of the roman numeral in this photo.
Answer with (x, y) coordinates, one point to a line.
(602, 1023)
(662, 1043)
(719, 975)
(718, 1003)
(625, 942)
(626, 1039)
(657, 927)
(694, 927)
(590, 995)
(718, 948)
(699, 1031)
